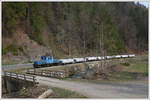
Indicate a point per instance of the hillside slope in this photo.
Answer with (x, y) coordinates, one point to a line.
(30, 30)
(20, 48)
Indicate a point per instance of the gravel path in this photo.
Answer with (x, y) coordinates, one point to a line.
(137, 89)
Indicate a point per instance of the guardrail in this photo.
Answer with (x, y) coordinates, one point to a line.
(24, 77)
(47, 73)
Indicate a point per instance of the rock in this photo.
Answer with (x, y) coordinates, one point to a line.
(90, 74)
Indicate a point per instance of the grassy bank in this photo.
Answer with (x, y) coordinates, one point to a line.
(63, 93)
(35, 91)
(141, 67)
(135, 71)
(131, 70)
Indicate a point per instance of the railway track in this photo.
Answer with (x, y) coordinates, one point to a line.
(30, 65)
(49, 60)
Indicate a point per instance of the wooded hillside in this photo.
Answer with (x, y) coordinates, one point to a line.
(77, 28)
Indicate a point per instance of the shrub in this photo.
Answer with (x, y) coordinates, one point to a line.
(4, 51)
(125, 64)
(13, 48)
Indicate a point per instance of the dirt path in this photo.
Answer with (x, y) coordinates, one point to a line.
(94, 90)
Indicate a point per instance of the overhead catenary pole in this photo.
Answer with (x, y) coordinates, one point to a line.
(102, 45)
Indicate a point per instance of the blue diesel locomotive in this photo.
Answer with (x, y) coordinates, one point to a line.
(46, 61)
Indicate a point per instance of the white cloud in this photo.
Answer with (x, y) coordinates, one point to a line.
(145, 3)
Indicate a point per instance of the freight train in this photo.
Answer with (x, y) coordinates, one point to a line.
(49, 60)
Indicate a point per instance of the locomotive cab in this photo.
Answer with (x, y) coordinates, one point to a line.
(44, 58)
(46, 61)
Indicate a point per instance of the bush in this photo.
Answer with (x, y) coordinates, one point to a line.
(37, 37)
(13, 48)
(125, 64)
(4, 51)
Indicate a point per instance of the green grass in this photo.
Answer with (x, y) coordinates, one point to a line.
(128, 72)
(125, 64)
(132, 72)
(116, 76)
(63, 93)
(139, 67)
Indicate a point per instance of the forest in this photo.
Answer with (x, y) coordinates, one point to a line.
(77, 28)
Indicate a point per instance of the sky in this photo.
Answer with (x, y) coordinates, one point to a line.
(144, 3)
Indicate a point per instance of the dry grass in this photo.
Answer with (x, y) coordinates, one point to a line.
(35, 91)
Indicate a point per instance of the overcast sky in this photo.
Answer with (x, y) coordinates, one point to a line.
(144, 3)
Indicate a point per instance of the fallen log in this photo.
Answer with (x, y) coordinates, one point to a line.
(46, 94)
